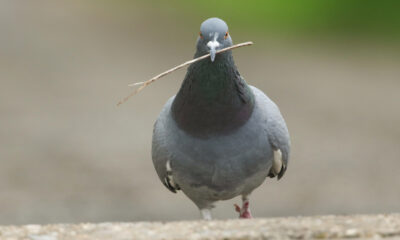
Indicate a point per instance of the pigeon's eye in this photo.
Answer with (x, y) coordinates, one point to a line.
(201, 35)
(226, 35)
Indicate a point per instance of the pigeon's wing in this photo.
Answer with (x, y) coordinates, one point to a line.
(160, 155)
(277, 132)
(278, 136)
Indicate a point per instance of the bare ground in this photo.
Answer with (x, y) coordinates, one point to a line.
(318, 227)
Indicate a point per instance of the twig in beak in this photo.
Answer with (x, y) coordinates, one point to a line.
(148, 82)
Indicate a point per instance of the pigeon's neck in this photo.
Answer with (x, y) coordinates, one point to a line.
(213, 99)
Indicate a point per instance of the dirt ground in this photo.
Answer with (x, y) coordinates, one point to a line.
(68, 154)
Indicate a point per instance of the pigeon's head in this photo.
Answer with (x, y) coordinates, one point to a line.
(213, 36)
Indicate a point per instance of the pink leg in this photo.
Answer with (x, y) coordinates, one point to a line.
(244, 211)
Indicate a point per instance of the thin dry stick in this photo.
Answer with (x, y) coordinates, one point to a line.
(148, 82)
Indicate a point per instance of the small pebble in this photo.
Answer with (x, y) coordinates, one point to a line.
(352, 233)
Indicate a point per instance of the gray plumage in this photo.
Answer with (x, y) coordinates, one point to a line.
(218, 137)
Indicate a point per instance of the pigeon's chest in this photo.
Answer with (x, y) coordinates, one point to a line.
(221, 160)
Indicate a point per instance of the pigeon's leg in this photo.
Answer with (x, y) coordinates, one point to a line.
(244, 211)
(206, 214)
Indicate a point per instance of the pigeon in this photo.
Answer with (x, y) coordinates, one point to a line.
(218, 137)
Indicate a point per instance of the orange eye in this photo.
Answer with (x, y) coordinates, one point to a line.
(201, 35)
(226, 35)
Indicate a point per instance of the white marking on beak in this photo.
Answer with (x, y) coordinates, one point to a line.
(212, 45)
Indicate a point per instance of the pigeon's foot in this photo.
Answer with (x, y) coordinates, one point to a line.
(206, 214)
(244, 211)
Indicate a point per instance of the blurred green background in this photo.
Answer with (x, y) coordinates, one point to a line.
(68, 154)
(309, 17)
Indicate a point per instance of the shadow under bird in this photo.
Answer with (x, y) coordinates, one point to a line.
(219, 137)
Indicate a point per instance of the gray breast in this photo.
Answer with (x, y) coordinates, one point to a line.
(220, 167)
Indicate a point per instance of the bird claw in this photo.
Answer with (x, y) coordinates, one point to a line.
(244, 211)
(237, 208)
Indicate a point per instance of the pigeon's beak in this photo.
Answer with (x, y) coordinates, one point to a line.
(212, 45)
